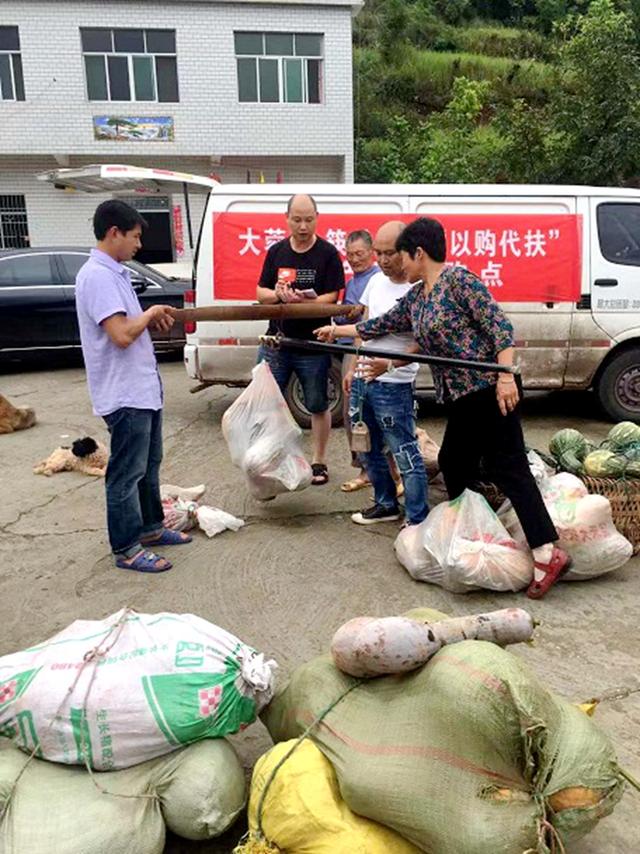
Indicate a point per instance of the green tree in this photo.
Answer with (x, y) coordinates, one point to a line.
(452, 11)
(595, 113)
(395, 158)
(453, 144)
(529, 142)
(577, 121)
(393, 28)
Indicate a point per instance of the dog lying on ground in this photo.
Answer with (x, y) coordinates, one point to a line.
(15, 417)
(85, 455)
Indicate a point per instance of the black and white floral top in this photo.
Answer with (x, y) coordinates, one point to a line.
(459, 319)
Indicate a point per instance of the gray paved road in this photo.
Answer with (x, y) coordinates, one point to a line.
(295, 572)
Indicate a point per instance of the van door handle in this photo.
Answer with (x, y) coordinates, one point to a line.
(549, 304)
(606, 283)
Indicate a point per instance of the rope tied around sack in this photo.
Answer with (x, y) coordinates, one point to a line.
(92, 656)
(549, 838)
(255, 842)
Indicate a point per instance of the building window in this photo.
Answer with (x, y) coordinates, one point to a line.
(130, 65)
(14, 232)
(279, 67)
(11, 80)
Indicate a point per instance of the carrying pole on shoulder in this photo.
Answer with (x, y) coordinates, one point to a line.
(276, 342)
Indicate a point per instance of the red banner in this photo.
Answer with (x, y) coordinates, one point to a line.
(520, 257)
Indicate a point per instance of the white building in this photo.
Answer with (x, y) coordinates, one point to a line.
(238, 90)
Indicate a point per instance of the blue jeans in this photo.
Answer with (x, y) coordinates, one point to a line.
(311, 369)
(387, 410)
(134, 508)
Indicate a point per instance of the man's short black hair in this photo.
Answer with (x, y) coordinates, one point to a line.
(118, 213)
(424, 233)
(361, 234)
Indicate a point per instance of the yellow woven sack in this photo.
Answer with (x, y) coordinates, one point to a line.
(303, 812)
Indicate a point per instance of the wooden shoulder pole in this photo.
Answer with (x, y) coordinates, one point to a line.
(278, 311)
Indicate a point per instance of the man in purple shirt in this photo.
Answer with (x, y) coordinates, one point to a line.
(125, 387)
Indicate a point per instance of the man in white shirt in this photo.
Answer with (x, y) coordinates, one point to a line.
(382, 395)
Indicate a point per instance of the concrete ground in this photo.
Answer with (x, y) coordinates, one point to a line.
(298, 569)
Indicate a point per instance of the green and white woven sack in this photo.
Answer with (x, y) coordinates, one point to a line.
(112, 693)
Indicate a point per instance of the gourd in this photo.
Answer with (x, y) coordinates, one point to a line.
(377, 646)
(569, 447)
(604, 464)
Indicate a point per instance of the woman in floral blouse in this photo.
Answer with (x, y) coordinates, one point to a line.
(451, 313)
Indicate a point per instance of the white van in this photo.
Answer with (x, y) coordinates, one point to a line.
(563, 261)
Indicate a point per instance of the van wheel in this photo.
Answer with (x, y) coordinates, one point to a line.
(295, 398)
(618, 388)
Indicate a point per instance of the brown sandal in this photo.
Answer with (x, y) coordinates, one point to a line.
(355, 484)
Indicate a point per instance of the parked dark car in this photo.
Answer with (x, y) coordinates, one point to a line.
(37, 299)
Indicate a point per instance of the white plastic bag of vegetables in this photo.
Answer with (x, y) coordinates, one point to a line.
(585, 528)
(584, 524)
(264, 440)
(410, 551)
(561, 493)
(112, 693)
(473, 548)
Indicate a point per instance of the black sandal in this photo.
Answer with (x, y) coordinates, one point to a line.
(320, 474)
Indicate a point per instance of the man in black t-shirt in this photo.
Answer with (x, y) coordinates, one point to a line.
(303, 267)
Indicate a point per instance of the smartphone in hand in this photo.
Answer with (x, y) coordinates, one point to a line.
(287, 275)
(307, 293)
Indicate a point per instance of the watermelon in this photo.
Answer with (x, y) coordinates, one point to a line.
(632, 453)
(632, 468)
(604, 464)
(623, 435)
(569, 447)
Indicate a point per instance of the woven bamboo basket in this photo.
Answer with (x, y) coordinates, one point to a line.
(624, 497)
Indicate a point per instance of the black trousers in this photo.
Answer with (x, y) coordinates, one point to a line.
(480, 440)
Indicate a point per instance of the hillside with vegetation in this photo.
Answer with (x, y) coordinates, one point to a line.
(526, 91)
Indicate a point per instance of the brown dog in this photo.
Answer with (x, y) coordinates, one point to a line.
(85, 455)
(15, 417)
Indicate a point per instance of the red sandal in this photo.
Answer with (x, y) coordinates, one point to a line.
(557, 566)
